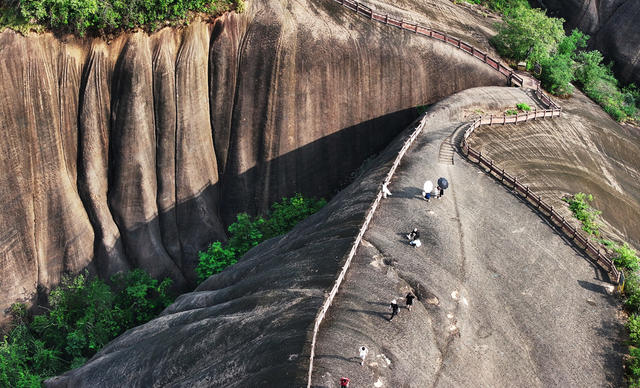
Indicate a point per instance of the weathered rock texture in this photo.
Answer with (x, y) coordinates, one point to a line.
(503, 300)
(137, 152)
(582, 151)
(613, 26)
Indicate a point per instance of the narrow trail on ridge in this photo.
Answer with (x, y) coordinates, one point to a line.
(504, 300)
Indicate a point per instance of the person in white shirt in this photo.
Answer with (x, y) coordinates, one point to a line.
(363, 354)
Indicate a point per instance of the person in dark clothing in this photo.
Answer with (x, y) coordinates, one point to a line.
(414, 234)
(410, 297)
(394, 309)
(440, 192)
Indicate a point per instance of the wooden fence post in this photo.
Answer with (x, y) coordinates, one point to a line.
(386, 19)
(491, 120)
(526, 193)
(504, 118)
(357, 6)
(502, 176)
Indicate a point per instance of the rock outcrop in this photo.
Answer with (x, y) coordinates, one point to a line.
(502, 299)
(584, 150)
(137, 152)
(613, 27)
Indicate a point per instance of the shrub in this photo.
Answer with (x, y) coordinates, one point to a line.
(579, 206)
(511, 112)
(246, 233)
(523, 107)
(214, 260)
(84, 315)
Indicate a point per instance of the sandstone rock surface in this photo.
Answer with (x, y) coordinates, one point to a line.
(502, 299)
(613, 27)
(137, 152)
(582, 151)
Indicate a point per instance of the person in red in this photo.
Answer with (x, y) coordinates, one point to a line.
(344, 382)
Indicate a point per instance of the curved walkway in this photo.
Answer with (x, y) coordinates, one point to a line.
(504, 300)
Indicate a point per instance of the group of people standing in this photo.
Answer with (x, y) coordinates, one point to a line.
(414, 240)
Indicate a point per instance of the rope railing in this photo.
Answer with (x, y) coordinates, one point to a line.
(356, 244)
(547, 210)
(495, 64)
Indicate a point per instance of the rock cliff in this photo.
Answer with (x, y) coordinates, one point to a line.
(137, 152)
(613, 26)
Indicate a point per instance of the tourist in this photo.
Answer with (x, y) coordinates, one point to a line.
(414, 234)
(427, 188)
(394, 309)
(385, 191)
(363, 354)
(415, 243)
(344, 382)
(410, 297)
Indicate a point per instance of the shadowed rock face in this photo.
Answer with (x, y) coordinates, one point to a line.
(613, 26)
(138, 152)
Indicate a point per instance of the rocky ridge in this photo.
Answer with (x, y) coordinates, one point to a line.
(139, 151)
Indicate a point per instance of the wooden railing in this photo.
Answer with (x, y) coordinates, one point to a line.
(356, 243)
(513, 78)
(507, 179)
(363, 10)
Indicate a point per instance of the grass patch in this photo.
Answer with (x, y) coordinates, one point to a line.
(523, 107)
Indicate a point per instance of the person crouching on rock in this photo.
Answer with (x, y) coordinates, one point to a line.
(394, 309)
(414, 234)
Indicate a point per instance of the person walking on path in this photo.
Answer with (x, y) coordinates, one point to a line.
(410, 297)
(427, 188)
(344, 382)
(442, 184)
(385, 191)
(363, 354)
(394, 309)
(414, 234)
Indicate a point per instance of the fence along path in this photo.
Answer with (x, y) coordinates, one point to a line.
(515, 79)
(509, 180)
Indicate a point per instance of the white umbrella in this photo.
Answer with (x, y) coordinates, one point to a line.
(428, 186)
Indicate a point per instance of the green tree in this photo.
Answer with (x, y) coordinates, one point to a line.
(214, 260)
(528, 35)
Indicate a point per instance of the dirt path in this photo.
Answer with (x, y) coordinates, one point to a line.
(503, 300)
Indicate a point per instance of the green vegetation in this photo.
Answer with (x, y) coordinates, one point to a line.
(246, 233)
(498, 5)
(80, 16)
(529, 35)
(579, 206)
(523, 107)
(511, 112)
(626, 260)
(84, 314)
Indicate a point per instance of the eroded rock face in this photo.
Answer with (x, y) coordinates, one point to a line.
(613, 26)
(138, 152)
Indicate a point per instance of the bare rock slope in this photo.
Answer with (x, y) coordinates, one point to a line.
(581, 151)
(139, 151)
(502, 299)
